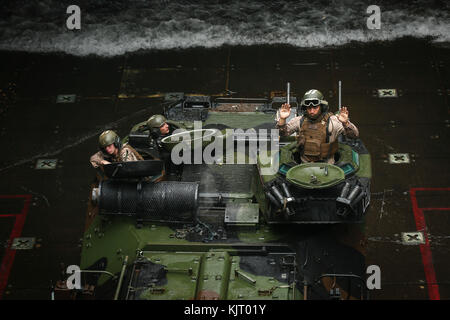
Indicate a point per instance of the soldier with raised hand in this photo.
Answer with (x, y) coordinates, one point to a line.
(112, 150)
(318, 129)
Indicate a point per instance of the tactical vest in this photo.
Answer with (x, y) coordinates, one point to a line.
(314, 138)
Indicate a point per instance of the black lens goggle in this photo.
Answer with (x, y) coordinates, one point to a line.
(311, 102)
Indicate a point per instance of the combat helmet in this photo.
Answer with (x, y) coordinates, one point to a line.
(108, 137)
(314, 97)
(156, 121)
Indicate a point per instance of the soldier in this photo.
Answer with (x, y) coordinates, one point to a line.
(112, 150)
(159, 127)
(317, 129)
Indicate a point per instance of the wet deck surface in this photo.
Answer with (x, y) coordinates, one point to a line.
(50, 205)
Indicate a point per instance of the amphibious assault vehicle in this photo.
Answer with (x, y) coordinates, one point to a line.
(265, 227)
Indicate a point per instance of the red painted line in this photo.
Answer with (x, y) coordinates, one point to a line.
(9, 215)
(425, 250)
(431, 189)
(8, 257)
(14, 196)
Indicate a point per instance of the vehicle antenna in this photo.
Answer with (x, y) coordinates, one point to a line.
(340, 86)
(288, 94)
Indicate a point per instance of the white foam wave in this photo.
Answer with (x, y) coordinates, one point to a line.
(115, 28)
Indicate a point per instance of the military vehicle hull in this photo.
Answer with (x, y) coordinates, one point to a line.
(215, 230)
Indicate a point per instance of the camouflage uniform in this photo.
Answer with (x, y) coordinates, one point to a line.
(126, 153)
(335, 128)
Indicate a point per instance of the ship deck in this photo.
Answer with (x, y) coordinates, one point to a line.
(54, 106)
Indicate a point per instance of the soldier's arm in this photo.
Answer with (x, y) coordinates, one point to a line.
(287, 129)
(348, 129)
(140, 127)
(96, 159)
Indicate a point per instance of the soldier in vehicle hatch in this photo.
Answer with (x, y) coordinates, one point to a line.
(159, 127)
(112, 150)
(318, 129)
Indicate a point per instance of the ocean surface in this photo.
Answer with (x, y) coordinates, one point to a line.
(113, 27)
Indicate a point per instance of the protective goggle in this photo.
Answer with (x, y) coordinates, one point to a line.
(311, 102)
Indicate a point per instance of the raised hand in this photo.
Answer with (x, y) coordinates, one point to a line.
(285, 111)
(343, 115)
